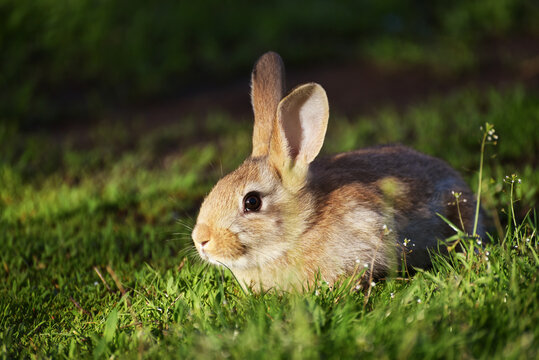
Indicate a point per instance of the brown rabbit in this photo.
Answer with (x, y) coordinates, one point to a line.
(285, 217)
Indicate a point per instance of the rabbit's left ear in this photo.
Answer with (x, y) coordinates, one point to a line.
(300, 128)
(267, 89)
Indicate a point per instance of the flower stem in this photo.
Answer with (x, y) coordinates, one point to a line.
(478, 200)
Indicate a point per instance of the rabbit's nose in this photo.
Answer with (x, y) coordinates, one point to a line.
(201, 234)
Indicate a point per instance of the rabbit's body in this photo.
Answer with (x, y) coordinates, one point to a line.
(283, 217)
(402, 189)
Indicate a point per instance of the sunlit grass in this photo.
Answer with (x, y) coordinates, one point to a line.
(96, 258)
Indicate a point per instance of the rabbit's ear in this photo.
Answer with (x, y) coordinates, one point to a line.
(300, 128)
(267, 89)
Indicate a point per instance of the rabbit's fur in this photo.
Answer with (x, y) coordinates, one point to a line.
(323, 217)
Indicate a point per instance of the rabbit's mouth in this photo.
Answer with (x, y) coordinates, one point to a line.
(219, 246)
(240, 262)
(207, 258)
(203, 253)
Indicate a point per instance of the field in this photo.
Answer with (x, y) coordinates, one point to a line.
(107, 150)
(96, 256)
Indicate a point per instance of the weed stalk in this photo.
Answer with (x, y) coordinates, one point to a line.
(480, 181)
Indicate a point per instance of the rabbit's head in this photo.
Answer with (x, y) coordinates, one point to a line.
(257, 213)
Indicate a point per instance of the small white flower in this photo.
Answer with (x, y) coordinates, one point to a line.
(366, 265)
(225, 302)
(419, 301)
(487, 253)
(386, 229)
(159, 309)
(358, 261)
(392, 295)
(479, 242)
(373, 284)
(358, 287)
(316, 292)
(96, 283)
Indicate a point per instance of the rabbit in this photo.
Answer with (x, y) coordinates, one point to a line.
(286, 218)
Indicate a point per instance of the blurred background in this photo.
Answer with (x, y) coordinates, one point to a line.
(66, 62)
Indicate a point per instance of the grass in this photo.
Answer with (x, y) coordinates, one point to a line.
(96, 261)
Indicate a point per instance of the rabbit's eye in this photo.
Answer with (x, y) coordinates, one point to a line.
(252, 202)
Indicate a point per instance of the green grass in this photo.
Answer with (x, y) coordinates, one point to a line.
(96, 261)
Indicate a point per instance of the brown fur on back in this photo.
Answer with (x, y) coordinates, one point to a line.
(424, 188)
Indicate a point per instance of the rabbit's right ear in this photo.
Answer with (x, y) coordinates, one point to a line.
(299, 131)
(267, 89)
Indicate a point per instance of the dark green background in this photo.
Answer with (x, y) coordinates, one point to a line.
(64, 60)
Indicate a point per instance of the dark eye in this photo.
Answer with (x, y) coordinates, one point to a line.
(252, 202)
